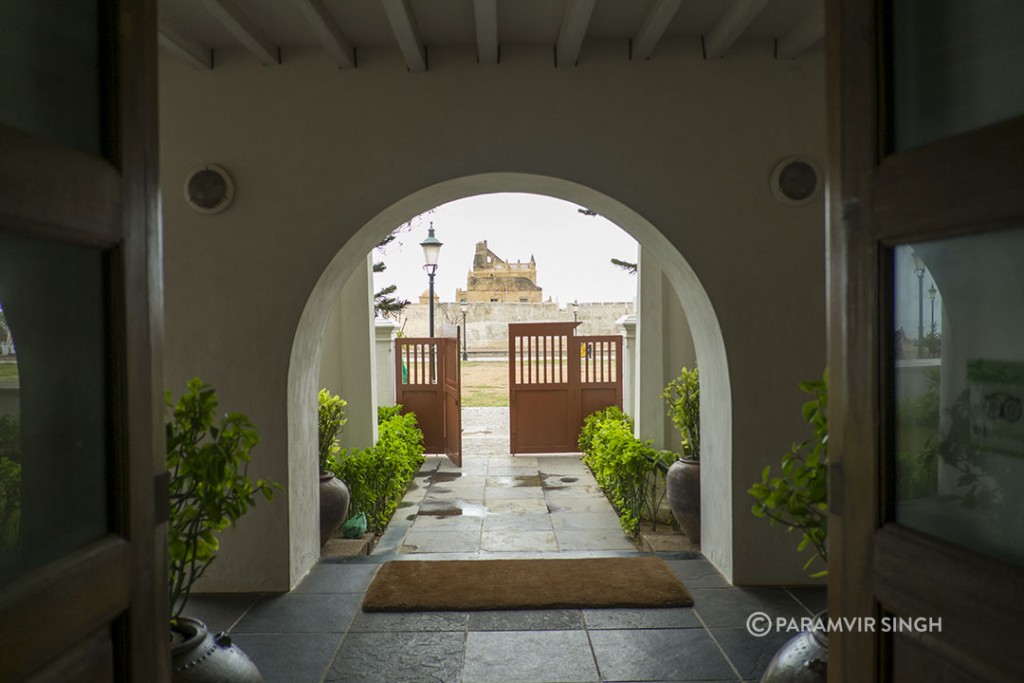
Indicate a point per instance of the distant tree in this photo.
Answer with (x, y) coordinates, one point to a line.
(385, 303)
(630, 268)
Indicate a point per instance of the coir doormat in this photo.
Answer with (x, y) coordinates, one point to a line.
(466, 585)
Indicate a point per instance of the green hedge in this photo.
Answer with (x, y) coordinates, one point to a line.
(378, 477)
(627, 469)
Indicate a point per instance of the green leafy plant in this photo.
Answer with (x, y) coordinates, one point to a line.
(10, 501)
(683, 398)
(330, 419)
(798, 497)
(209, 487)
(378, 477)
(10, 437)
(627, 470)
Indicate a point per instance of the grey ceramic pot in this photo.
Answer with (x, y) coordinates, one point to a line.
(682, 487)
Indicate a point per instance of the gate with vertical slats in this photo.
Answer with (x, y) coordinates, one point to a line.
(555, 380)
(428, 383)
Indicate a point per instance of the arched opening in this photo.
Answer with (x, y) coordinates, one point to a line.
(306, 352)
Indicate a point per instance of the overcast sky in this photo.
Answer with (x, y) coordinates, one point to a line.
(572, 250)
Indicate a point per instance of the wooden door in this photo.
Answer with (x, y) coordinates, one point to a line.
(428, 383)
(452, 380)
(556, 379)
(543, 387)
(600, 374)
(926, 246)
(419, 387)
(82, 561)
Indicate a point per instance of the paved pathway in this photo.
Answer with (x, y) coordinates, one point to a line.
(522, 507)
(498, 503)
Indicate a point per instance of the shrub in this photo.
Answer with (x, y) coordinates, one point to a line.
(330, 419)
(625, 468)
(594, 421)
(378, 477)
(683, 398)
(10, 501)
(798, 497)
(209, 486)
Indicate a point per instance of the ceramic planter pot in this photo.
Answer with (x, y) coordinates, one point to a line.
(682, 487)
(334, 498)
(200, 657)
(802, 659)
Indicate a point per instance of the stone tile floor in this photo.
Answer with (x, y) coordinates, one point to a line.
(498, 505)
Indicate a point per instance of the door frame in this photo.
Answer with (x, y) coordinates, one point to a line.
(877, 200)
(101, 610)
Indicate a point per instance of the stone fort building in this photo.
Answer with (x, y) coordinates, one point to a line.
(494, 280)
(500, 292)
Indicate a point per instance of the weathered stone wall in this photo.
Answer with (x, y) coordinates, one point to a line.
(487, 323)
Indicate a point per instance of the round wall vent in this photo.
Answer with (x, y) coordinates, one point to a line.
(209, 189)
(795, 180)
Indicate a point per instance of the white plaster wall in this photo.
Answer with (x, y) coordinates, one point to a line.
(347, 365)
(676, 143)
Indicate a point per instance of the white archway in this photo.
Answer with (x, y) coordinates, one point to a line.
(716, 401)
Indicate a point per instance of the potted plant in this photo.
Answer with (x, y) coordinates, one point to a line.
(209, 490)
(334, 494)
(682, 482)
(798, 498)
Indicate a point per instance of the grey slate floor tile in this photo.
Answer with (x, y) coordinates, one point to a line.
(528, 657)
(685, 654)
(750, 655)
(301, 613)
(425, 657)
(290, 657)
(526, 620)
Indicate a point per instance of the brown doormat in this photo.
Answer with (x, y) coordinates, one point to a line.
(464, 585)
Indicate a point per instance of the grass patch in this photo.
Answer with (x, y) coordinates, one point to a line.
(8, 371)
(483, 398)
(484, 384)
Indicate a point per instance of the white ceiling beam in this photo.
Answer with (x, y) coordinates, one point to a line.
(804, 34)
(485, 13)
(403, 25)
(243, 30)
(198, 56)
(328, 32)
(574, 28)
(729, 26)
(646, 38)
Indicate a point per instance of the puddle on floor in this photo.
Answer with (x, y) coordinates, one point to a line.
(556, 482)
(457, 508)
(442, 477)
(516, 481)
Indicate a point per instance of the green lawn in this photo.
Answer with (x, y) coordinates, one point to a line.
(8, 371)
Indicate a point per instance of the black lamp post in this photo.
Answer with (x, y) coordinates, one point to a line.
(931, 297)
(919, 272)
(575, 309)
(465, 307)
(431, 252)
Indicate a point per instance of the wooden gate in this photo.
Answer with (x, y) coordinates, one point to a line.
(428, 383)
(555, 380)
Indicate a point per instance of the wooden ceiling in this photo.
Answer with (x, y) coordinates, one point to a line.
(195, 29)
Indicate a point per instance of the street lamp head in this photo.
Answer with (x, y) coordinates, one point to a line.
(932, 292)
(465, 306)
(431, 251)
(919, 267)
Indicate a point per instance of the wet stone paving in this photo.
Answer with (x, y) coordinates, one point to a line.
(497, 505)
